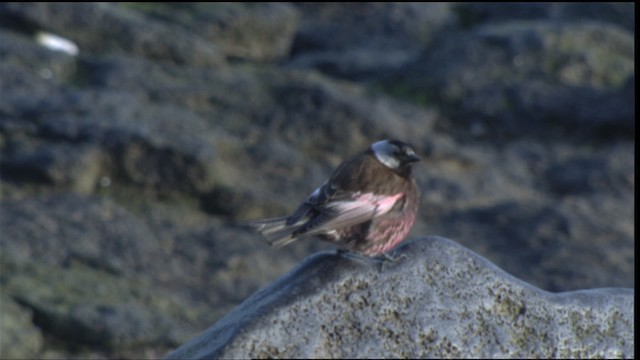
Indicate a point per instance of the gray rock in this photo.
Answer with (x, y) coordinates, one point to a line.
(533, 209)
(533, 77)
(90, 286)
(66, 166)
(176, 150)
(248, 31)
(437, 300)
(30, 68)
(87, 308)
(106, 28)
(546, 236)
(285, 104)
(607, 171)
(472, 14)
(348, 117)
(365, 41)
(610, 111)
(67, 227)
(116, 134)
(109, 281)
(20, 339)
(258, 113)
(341, 26)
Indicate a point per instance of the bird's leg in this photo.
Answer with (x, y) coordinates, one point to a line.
(386, 259)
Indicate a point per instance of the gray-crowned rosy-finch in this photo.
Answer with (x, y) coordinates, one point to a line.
(367, 206)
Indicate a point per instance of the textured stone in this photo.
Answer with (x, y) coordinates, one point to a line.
(182, 121)
(107, 28)
(365, 41)
(20, 337)
(530, 77)
(79, 265)
(621, 14)
(158, 146)
(248, 31)
(437, 299)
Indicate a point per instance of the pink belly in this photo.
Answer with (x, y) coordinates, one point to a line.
(388, 233)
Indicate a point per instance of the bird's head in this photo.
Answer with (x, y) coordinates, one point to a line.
(395, 155)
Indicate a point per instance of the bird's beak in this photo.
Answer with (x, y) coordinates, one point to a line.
(413, 158)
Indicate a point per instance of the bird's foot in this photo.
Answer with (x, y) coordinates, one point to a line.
(358, 257)
(390, 258)
(380, 260)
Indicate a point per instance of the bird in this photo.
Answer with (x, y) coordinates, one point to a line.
(366, 207)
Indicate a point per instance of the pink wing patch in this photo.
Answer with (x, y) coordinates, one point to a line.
(362, 207)
(381, 203)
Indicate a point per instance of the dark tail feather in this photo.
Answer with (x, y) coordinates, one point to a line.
(276, 231)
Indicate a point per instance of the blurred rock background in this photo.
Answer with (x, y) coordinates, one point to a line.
(130, 167)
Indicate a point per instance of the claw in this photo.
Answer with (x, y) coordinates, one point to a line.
(358, 257)
(394, 258)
